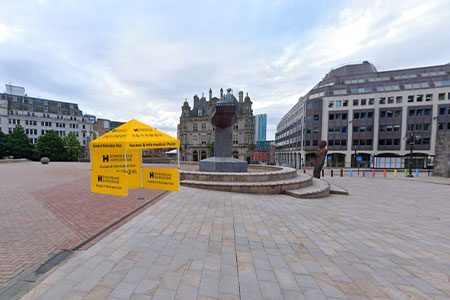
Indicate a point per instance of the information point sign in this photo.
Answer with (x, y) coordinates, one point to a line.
(161, 179)
(111, 183)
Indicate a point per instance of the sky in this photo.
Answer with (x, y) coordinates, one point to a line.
(141, 59)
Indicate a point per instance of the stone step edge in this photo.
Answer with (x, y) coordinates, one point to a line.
(319, 189)
(304, 179)
(337, 190)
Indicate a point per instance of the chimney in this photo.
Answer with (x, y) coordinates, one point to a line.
(241, 96)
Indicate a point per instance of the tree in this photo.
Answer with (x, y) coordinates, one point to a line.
(18, 144)
(3, 144)
(51, 145)
(72, 146)
(211, 149)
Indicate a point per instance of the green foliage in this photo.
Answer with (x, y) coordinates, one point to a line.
(18, 144)
(3, 144)
(211, 150)
(51, 145)
(72, 147)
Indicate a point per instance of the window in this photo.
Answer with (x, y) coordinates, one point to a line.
(204, 126)
(194, 127)
(398, 99)
(442, 111)
(331, 117)
(411, 98)
(344, 116)
(330, 104)
(345, 102)
(429, 97)
(316, 117)
(390, 100)
(371, 101)
(355, 102)
(363, 101)
(419, 98)
(441, 96)
(382, 100)
(355, 115)
(338, 103)
(412, 112)
(370, 115)
(397, 113)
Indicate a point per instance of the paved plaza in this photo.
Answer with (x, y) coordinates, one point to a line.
(45, 209)
(389, 239)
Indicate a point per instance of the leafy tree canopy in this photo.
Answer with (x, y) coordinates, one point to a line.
(18, 144)
(51, 145)
(72, 146)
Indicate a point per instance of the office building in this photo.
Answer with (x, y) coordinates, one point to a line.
(260, 127)
(368, 117)
(38, 116)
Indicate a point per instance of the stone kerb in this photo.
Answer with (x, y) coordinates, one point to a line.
(269, 187)
(279, 173)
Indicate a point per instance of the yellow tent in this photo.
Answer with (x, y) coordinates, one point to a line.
(116, 160)
(135, 135)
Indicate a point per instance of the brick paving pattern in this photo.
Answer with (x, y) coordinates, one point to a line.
(47, 208)
(387, 240)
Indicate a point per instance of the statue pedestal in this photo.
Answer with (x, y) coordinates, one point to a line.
(223, 164)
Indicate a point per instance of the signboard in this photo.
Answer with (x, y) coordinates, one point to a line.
(113, 160)
(359, 158)
(112, 183)
(167, 179)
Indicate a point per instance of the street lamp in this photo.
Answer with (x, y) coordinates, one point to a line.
(411, 141)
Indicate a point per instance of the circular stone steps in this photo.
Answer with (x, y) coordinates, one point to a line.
(318, 189)
(260, 180)
(275, 174)
(264, 187)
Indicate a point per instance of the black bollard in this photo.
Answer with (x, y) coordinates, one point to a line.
(323, 173)
(331, 172)
(342, 173)
(428, 171)
(304, 171)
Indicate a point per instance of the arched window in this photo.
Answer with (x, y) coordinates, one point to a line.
(235, 154)
(203, 155)
(195, 156)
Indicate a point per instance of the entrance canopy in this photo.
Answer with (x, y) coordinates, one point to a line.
(134, 135)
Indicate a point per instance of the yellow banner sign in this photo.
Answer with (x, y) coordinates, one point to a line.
(104, 182)
(167, 179)
(113, 160)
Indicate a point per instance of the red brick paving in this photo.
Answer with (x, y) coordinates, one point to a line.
(45, 209)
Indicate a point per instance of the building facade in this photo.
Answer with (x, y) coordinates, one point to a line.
(102, 126)
(367, 116)
(38, 116)
(196, 132)
(260, 127)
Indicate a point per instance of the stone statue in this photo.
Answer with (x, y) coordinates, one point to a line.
(321, 154)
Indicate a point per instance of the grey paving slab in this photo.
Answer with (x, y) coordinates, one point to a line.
(386, 240)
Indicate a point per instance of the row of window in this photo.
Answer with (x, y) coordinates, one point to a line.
(31, 122)
(444, 126)
(419, 112)
(386, 100)
(368, 128)
(362, 142)
(31, 131)
(419, 127)
(337, 129)
(389, 128)
(390, 114)
(363, 115)
(444, 111)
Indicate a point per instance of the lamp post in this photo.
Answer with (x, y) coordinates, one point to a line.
(411, 140)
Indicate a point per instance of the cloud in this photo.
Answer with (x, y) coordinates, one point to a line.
(141, 59)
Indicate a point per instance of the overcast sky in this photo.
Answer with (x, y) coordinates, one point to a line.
(140, 59)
